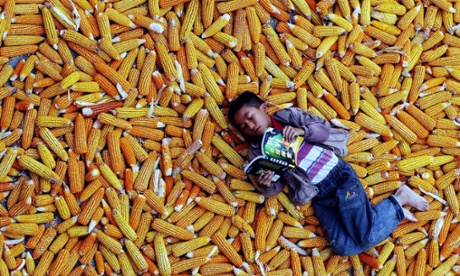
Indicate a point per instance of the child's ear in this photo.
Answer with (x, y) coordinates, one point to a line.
(264, 107)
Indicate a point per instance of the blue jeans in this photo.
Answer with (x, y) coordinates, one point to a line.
(352, 224)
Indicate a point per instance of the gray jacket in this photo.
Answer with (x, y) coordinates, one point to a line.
(318, 132)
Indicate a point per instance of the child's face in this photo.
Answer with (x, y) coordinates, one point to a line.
(252, 121)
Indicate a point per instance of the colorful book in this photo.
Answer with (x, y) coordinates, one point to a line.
(278, 155)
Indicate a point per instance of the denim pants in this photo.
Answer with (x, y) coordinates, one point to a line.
(352, 223)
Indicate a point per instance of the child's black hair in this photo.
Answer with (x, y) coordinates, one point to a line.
(244, 99)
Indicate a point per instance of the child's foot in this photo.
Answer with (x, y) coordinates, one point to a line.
(406, 196)
(409, 216)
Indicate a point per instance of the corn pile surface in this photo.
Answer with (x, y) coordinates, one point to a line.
(117, 156)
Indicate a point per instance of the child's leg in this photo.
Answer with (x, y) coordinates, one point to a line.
(344, 210)
(339, 238)
(367, 224)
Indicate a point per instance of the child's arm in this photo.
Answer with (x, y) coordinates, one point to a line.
(315, 129)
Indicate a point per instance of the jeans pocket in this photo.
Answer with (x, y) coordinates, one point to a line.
(350, 196)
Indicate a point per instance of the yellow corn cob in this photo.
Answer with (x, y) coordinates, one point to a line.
(108, 48)
(171, 230)
(216, 26)
(302, 98)
(289, 220)
(409, 136)
(445, 267)
(386, 27)
(62, 207)
(372, 124)
(340, 21)
(449, 194)
(446, 179)
(388, 266)
(136, 256)
(201, 181)
(324, 108)
(354, 93)
(225, 192)
(216, 113)
(444, 5)
(390, 100)
(274, 235)
(125, 264)
(295, 232)
(15, 40)
(215, 206)
(420, 116)
(378, 166)
(201, 121)
(429, 215)
(437, 110)
(287, 204)
(278, 259)
(188, 264)
(124, 226)
(414, 162)
(304, 35)
(193, 108)
(233, 5)
(337, 106)
(431, 100)
(227, 151)
(28, 229)
(202, 221)
(408, 17)
(371, 65)
(182, 248)
(318, 264)
(362, 145)
(166, 61)
(322, 78)
(51, 121)
(161, 256)
(365, 17)
(225, 247)
(418, 182)
(281, 98)
(189, 19)
(38, 168)
(44, 263)
(441, 141)
(384, 187)
(155, 201)
(249, 196)
(358, 157)
(412, 237)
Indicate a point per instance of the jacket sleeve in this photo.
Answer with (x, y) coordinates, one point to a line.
(276, 186)
(316, 128)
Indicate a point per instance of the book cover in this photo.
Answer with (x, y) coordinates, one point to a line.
(278, 155)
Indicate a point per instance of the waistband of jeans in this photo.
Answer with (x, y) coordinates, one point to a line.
(336, 170)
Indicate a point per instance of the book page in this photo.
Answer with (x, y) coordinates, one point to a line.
(278, 150)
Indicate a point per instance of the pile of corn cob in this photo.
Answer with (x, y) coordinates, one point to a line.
(117, 156)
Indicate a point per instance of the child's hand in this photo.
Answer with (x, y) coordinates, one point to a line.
(265, 179)
(290, 133)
